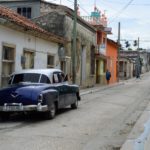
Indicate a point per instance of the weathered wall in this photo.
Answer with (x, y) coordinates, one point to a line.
(86, 38)
(53, 22)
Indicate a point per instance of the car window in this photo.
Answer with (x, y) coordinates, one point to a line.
(55, 78)
(58, 77)
(45, 79)
(61, 77)
(10, 80)
(26, 77)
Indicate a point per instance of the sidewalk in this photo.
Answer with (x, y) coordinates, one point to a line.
(98, 87)
(139, 137)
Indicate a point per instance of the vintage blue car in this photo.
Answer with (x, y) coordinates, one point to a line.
(38, 90)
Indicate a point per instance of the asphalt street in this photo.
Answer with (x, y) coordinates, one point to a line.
(103, 121)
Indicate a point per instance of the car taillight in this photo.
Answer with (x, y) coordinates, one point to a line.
(40, 98)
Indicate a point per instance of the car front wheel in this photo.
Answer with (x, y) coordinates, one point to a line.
(4, 116)
(75, 104)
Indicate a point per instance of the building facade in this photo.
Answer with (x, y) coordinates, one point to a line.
(58, 19)
(91, 57)
(112, 58)
(145, 61)
(126, 68)
(99, 21)
(24, 45)
(139, 62)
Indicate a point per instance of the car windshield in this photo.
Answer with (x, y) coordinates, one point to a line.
(26, 77)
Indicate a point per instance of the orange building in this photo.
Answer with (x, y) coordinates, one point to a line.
(112, 54)
(106, 49)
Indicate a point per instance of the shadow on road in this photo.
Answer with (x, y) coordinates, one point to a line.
(31, 117)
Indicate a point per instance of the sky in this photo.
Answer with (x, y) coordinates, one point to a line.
(133, 15)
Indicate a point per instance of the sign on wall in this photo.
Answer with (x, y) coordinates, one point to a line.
(102, 49)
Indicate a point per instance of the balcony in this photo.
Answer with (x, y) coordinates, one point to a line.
(102, 21)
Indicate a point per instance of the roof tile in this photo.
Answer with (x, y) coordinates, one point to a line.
(14, 17)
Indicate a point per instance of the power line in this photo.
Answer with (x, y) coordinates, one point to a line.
(120, 11)
(83, 8)
(70, 1)
(122, 3)
(52, 1)
(108, 5)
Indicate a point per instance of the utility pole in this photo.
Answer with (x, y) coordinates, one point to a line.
(138, 43)
(138, 63)
(118, 51)
(74, 43)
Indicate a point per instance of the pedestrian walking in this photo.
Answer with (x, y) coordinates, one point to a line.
(137, 71)
(108, 76)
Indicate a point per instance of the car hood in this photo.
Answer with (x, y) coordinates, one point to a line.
(21, 93)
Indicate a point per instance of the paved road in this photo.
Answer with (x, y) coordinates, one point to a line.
(102, 122)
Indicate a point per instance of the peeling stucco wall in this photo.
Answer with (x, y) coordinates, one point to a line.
(56, 20)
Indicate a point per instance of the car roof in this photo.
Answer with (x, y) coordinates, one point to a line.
(46, 72)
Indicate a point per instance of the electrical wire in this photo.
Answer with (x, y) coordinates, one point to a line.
(121, 10)
(83, 8)
(52, 1)
(70, 1)
(122, 3)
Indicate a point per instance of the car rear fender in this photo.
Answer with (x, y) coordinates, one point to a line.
(78, 96)
(50, 96)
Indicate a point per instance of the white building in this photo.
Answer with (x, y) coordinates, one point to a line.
(24, 45)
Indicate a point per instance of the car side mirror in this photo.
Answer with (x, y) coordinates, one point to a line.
(66, 78)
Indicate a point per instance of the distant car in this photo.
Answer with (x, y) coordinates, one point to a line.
(38, 90)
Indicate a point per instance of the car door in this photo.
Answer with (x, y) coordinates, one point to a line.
(59, 86)
(69, 94)
(64, 89)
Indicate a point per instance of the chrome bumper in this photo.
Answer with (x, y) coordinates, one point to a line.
(14, 107)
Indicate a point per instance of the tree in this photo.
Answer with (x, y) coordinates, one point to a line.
(129, 49)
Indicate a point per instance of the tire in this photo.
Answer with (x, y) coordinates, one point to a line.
(75, 105)
(50, 114)
(4, 116)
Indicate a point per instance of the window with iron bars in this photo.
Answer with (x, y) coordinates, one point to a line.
(24, 11)
(50, 61)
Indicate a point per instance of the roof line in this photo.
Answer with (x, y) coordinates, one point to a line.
(27, 24)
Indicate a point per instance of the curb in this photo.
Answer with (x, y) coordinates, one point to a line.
(100, 88)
